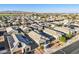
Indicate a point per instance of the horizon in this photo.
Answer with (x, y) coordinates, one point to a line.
(41, 8)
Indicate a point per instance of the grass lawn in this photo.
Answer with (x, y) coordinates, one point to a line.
(9, 14)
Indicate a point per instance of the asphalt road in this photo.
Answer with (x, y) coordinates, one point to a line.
(75, 51)
(71, 49)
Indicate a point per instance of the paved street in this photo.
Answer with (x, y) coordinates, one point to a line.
(76, 51)
(69, 49)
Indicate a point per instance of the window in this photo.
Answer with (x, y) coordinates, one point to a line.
(19, 45)
(2, 47)
(27, 49)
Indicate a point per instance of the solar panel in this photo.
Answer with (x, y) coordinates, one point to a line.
(46, 35)
(23, 38)
(11, 41)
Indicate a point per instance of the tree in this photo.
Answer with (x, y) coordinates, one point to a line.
(62, 38)
(69, 35)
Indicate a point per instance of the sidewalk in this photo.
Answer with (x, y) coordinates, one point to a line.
(71, 41)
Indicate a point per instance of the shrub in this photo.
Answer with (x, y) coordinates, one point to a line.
(62, 39)
(69, 35)
(41, 47)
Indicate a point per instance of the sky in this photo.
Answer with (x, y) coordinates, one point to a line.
(48, 8)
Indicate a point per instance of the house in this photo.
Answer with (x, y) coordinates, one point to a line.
(25, 29)
(18, 41)
(57, 22)
(3, 45)
(52, 25)
(41, 37)
(63, 29)
(35, 36)
(10, 30)
(66, 22)
(16, 44)
(48, 38)
(52, 33)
